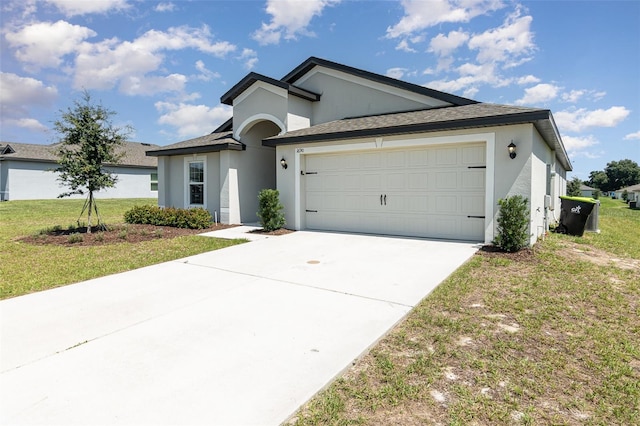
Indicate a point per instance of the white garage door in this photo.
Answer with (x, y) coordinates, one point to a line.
(435, 192)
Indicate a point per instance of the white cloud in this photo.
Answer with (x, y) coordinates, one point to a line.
(165, 7)
(632, 136)
(83, 7)
(471, 76)
(192, 120)
(574, 144)
(397, 72)
(19, 92)
(576, 120)
(539, 94)
(528, 79)
(149, 85)
(250, 58)
(18, 96)
(26, 123)
(289, 18)
(511, 43)
(103, 65)
(444, 45)
(420, 14)
(573, 96)
(44, 44)
(405, 47)
(205, 74)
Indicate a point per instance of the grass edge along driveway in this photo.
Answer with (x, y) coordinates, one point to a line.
(27, 268)
(549, 336)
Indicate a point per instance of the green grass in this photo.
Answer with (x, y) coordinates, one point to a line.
(548, 337)
(620, 230)
(27, 268)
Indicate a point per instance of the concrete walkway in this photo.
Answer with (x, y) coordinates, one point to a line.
(238, 336)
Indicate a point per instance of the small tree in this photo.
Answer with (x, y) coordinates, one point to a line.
(88, 142)
(513, 224)
(270, 210)
(573, 187)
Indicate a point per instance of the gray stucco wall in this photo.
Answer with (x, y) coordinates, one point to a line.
(356, 97)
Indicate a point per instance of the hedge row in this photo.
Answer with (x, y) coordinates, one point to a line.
(196, 218)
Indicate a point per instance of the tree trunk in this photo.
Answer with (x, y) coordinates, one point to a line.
(89, 214)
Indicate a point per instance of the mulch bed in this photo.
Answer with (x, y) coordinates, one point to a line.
(115, 234)
(493, 251)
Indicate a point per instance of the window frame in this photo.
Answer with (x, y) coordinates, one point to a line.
(187, 181)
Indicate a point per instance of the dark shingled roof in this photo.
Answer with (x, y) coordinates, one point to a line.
(208, 143)
(429, 120)
(134, 153)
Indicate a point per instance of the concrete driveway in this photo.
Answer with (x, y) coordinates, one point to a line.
(239, 336)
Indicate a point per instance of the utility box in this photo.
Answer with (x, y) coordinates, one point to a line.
(593, 220)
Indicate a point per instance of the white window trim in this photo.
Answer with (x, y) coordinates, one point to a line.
(187, 201)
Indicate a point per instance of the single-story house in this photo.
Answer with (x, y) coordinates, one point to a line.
(26, 172)
(351, 150)
(587, 191)
(633, 193)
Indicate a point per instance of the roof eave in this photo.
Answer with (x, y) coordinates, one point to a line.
(502, 120)
(196, 150)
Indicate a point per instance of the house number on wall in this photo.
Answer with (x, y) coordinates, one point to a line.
(299, 150)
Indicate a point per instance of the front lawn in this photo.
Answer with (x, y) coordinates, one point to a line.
(548, 336)
(26, 268)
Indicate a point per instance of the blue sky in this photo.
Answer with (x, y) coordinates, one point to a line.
(162, 66)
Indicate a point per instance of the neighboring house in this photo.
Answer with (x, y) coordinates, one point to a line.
(633, 193)
(587, 191)
(26, 172)
(354, 151)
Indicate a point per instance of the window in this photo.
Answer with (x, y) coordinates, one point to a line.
(195, 177)
(154, 181)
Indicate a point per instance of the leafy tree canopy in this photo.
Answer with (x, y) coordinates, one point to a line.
(617, 174)
(88, 141)
(573, 187)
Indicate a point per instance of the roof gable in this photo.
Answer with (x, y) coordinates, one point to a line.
(253, 77)
(301, 70)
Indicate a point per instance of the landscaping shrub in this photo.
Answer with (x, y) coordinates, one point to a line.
(196, 218)
(513, 224)
(270, 210)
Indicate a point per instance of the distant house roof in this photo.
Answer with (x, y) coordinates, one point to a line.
(134, 153)
(584, 187)
(209, 143)
(472, 115)
(632, 188)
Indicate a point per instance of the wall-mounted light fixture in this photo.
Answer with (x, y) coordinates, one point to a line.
(512, 150)
(283, 163)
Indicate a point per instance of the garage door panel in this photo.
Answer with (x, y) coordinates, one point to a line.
(430, 192)
(446, 157)
(473, 155)
(472, 180)
(446, 180)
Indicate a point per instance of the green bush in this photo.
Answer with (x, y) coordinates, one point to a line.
(270, 210)
(513, 224)
(196, 218)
